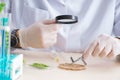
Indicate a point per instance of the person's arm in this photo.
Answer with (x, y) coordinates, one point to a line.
(15, 42)
(106, 45)
(116, 28)
(38, 35)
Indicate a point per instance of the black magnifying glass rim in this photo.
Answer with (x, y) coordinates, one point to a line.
(74, 19)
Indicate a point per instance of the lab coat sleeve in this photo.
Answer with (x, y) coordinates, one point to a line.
(116, 28)
(16, 10)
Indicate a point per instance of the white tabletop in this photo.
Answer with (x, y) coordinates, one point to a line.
(97, 68)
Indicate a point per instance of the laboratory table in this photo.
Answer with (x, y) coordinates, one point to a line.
(97, 68)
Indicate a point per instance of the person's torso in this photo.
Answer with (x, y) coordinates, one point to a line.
(95, 17)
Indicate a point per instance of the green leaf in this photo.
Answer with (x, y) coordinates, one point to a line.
(39, 65)
(2, 5)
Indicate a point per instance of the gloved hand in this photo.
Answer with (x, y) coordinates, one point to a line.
(103, 46)
(39, 35)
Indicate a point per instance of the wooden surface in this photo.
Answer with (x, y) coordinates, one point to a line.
(97, 69)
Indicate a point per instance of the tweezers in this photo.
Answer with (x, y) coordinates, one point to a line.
(80, 58)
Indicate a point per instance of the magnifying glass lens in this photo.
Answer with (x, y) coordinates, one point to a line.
(66, 19)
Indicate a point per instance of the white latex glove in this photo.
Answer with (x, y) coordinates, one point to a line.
(103, 46)
(39, 35)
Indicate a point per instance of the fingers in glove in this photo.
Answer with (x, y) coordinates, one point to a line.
(49, 28)
(107, 49)
(48, 22)
(111, 54)
(97, 50)
(90, 49)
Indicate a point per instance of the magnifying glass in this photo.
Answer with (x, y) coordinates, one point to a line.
(66, 19)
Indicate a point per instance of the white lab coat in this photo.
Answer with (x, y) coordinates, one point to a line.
(95, 17)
